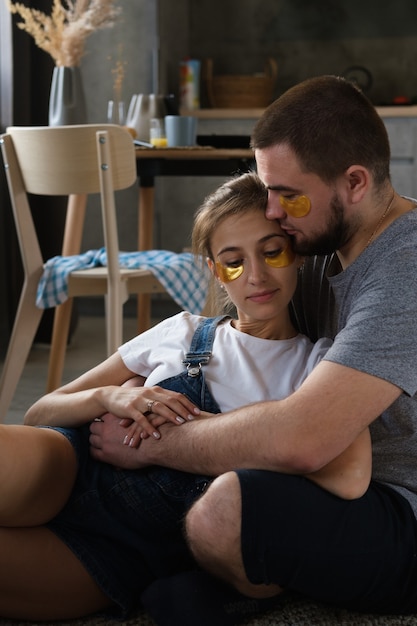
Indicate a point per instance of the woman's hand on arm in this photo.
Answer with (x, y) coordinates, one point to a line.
(104, 390)
(111, 442)
(148, 408)
(135, 434)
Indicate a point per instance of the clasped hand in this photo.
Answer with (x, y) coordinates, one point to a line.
(133, 415)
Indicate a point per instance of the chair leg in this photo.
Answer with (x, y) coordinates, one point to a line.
(26, 324)
(114, 321)
(74, 223)
(144, 312)
(145, 242)
(60, 331)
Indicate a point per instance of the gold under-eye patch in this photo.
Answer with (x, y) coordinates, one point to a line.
(227, 274)
(281, 259)
(299, 207)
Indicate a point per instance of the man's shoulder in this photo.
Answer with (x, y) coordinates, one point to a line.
(405, 224)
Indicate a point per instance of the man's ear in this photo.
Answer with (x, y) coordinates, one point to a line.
(357, 179)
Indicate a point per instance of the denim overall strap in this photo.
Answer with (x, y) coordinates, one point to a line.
(191, 382)
(201, 345)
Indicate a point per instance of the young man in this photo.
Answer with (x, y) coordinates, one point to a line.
(323, 152)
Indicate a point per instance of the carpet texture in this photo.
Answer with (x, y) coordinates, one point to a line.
(292, 612)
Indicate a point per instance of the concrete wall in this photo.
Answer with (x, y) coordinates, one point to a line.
(311, 38)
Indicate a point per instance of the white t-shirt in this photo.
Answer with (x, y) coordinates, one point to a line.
(243, 369)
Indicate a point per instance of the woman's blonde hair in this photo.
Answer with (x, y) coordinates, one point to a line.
(236, 196)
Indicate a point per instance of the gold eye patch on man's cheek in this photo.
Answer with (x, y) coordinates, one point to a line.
(283, 259)
(299, 207)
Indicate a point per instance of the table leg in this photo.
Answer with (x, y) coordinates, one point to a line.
(145, 242)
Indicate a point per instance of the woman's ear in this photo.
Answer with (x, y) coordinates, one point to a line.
(211, 267)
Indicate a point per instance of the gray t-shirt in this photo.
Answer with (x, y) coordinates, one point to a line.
(376, 303)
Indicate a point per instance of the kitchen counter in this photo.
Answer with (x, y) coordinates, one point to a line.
(239, 114)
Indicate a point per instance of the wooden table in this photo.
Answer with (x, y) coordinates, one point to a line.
(195, 161)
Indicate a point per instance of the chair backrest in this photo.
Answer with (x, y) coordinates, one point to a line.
(62, 160)
(67, 160)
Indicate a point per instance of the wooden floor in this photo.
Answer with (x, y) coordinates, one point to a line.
(87, 348)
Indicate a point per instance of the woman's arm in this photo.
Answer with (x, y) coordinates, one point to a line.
(349, 474)
(100, 391)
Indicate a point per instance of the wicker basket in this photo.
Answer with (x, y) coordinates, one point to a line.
(240, 92)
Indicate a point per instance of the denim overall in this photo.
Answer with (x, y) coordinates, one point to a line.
(126, 526)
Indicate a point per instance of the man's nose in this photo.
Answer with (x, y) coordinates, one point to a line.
(274, 210)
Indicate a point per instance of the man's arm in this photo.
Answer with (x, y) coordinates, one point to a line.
(348, 475)
(300, 434)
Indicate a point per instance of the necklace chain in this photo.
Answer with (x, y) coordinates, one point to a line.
(383, 216)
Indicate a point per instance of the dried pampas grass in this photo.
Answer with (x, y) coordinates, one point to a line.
(64, 32)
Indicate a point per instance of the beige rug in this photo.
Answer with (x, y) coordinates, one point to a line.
(292, 612)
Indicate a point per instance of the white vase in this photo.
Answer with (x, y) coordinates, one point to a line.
(67, 101)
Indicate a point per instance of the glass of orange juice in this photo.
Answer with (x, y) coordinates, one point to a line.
(157, 135)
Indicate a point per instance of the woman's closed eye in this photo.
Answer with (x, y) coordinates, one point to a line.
(232, 262)
(271, 254)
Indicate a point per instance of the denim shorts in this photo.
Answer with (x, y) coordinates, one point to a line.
(357, 554)
(126, 526)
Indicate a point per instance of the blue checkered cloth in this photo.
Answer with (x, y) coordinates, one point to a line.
(180, 274)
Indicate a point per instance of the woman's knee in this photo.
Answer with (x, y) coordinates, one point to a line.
(40, 466)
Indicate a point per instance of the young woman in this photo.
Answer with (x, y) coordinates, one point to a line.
(77, 535)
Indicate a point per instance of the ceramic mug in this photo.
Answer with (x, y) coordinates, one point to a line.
(180, 130)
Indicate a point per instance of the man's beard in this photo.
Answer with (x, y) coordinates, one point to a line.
(337, 233)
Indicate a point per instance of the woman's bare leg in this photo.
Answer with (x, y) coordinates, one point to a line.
(38, 467)
(41, 579)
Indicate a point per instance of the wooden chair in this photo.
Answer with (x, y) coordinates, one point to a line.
(74, 161)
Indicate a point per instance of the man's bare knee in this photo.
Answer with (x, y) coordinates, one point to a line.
(213, 528)
(213, 525)
(218, 510)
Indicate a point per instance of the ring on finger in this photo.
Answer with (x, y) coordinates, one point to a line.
(149, 406)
